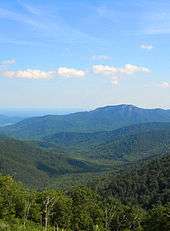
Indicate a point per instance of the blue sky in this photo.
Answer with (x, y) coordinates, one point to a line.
(71, 53)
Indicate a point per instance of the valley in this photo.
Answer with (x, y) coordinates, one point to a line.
(60, 154)
(86, 164)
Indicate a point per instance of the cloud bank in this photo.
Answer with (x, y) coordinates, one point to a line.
(39, 74)
(115, 73)
(112, 70)
(26, 74)
(70, 72)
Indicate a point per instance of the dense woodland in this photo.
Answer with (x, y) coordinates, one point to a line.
(102, 170)
(68, 156)
(125, 201)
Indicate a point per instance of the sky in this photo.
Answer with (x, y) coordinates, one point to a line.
(84, 54)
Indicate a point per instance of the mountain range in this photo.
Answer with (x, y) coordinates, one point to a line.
(8, 120)
(102, 119)
(39, 163)
(40, 150)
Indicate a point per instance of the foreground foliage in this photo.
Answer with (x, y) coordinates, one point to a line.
(79, 209)
(146, 183)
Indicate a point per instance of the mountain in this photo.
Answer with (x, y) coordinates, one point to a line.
(8, 120)
(35, 166)
(102, 119)
(80, 139)
(132, 142)
(64, 154)
(85, 153)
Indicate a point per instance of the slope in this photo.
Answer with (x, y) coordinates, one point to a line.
(135, 142)
(35, 166)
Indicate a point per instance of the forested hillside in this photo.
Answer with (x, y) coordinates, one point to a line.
(34, 166)
(125, 144)
(111, 180)
(101, 119)
(42, 163)
(137, 142)
(128, 143)
(112, 168)
(72, 139)
(133, 199)
(146, 182)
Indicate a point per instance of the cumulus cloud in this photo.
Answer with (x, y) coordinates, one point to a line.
(27, 74)
(165, 85)
(70, 72)
(116, 73)
(112, 70)
(104, 70)
(101, 57)
(146, 46)
(132, 69)
(39, 74)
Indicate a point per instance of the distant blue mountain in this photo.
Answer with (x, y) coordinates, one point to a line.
(101, 119)
(8, 120)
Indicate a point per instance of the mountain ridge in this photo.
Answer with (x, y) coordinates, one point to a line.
(8, 120)
(35, 166)
(101, 119)
(135, 141)
(73, 138)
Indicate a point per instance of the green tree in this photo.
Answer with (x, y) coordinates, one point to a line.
(87, 210)
(55, 209)
(13, 198)
(158, 219)
(118, 216)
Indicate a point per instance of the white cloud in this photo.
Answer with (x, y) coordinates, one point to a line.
(112, 70)
(39, 74)
(7, 62)
(132, 69)
(101, 57)
(105, 70)
(116, 73)
(70, 72)
(165, 85)
(27, 74)
(146, 46)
